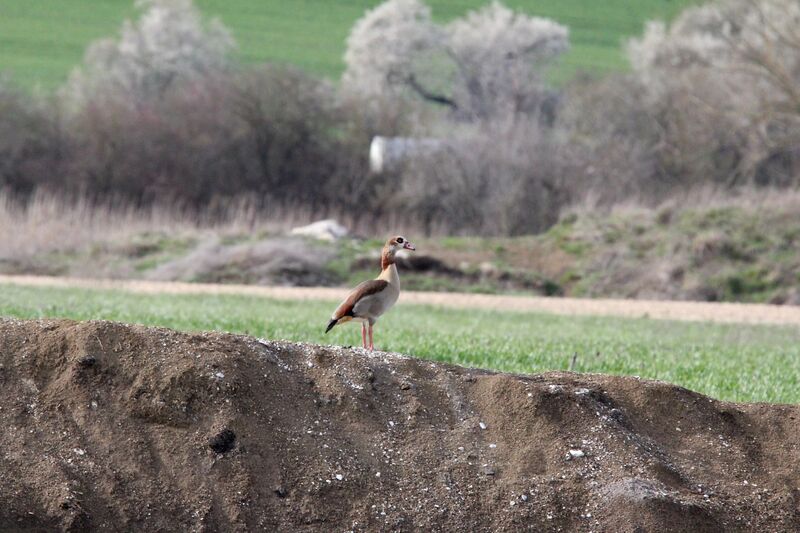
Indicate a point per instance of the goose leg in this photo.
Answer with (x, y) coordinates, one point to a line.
(363, 335)
(371, 344)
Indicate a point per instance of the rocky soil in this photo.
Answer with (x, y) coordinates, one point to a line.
(111, 427)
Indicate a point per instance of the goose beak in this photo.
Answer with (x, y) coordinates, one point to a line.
(408, 246)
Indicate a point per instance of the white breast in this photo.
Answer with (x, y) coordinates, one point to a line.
(376, 304)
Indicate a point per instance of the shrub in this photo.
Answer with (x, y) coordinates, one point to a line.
(287, 122)
(500, 58)
(167, 46)
(486, 65)
(614, 135)
(272, 132)
(504, 180)
(32, 145)
(385, 43)
(723, 79)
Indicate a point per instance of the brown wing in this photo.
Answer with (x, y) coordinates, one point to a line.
(363, 289)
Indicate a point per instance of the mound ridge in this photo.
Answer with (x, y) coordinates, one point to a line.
(109, 426)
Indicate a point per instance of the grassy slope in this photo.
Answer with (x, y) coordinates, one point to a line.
(743, 363)
(741, 249)
(745, 253)
(41, 41)
(719, 249)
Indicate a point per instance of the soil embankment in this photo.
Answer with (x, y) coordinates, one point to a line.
(109, 427)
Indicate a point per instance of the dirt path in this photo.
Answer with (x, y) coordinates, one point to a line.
(666, 310)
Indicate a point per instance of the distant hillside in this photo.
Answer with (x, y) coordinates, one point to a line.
(41, 41)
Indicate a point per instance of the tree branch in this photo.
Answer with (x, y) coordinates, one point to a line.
(412, 82)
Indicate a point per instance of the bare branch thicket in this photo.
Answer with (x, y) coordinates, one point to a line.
(496, 179)
(726, 76)
(484, 73)
(33, 144)
(501, 57)
(489, 63)
(384, 46)
(168, 44)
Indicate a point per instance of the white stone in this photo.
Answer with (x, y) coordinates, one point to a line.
(323, 230)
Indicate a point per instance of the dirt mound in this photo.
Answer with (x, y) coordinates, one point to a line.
(290, 262)
(115, 427)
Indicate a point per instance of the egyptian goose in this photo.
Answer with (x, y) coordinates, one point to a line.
(370, 299)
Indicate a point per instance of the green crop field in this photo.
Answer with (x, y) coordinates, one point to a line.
(41, 40)
(731, 362)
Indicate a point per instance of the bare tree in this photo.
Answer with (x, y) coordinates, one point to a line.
(501, 57)
(385, 44)
(729, 74)
(169, 43)
(33, 146)
(490, 61)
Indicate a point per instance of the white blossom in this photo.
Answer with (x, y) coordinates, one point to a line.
(169, 42)
(490, 61)
(385, 43)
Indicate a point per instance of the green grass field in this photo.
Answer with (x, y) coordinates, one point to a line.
(41, 41)
(730, 362)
